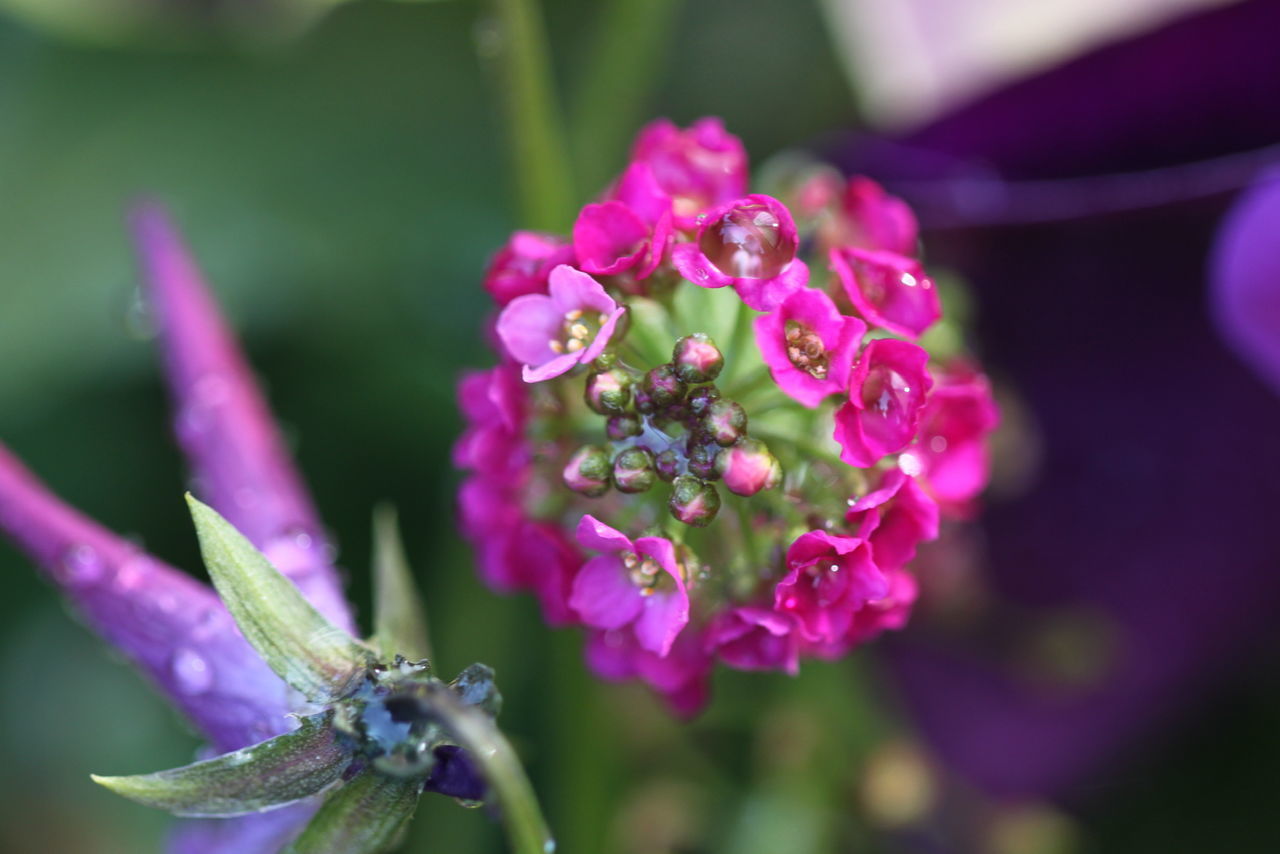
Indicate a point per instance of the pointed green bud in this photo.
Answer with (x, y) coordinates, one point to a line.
(280, 771)
(367, 815)
(400, 623)
(301, 646)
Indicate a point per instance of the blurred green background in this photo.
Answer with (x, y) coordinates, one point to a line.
(342, 192)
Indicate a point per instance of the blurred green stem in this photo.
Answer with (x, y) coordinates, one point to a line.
(538, 146)
(611, 97)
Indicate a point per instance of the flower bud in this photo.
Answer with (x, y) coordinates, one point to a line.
(702, 459)
(725, 422)
(748, 467)
(608, 392)
(663, 386)
(605, 360)
(624, 426)
(633, 470)
(701, 398)
(694, 502)
(587, 471)
(644, 403)
(697, 359)
(667, 465)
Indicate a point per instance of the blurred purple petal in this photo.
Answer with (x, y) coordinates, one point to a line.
(170, 625)
(264, 833)
(223, 424)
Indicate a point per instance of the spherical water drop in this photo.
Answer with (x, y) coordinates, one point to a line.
(191, 672)
(747, 243)
(79, 565)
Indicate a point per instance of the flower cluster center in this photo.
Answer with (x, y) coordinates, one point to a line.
(806, 350)
(577, 331)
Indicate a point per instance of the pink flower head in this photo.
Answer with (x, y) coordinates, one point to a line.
(610, 238)
(886, 398)
(830, 578)
(749, 243)
(638, 584)
(552, 334)
(873, 219)
(898, 515)
(697, 168)
(680, 676)
(951, 455)
(522, 266)
(890, 290)
(756, 639)
(493, 407)
(889, 612)
(809, 346)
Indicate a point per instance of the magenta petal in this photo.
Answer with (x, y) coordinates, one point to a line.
(768, 294)
(573, 289)
(889, 290)
(661, 620)
(527, 326)
(597, 345)
(224, 425)
(609, 238)
(639, 190)
(550, 370)
(603, 595)
(663, 232)
(690, 263)
(596, 535)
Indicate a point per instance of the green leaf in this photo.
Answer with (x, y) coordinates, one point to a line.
(364, 816)
(301, 646)
(280, 771)
(400, 624)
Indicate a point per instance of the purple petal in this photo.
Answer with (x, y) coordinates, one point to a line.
(594, 534)
(573, 289)
(662, 619)
(224, 425)
(527, 326)
(168, 624)
(264, 833)
(559, 365)
(603, 595)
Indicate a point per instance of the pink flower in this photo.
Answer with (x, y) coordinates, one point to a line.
(493, 406)
(637, 584)
(755, 639)
(749, 243)
(897, 516)
(873, 219)
(680, 675)
(809, 346)
(879, 615)
(886, 398)
(552, 334)
(830, 578)
(951, 455)
(610, 238)
(697, 168)
(890, 290)
(522, 266)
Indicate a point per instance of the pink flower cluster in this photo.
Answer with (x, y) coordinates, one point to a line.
(594, 475)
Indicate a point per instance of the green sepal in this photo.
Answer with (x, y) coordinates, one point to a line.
(272, 774)
(399, 621)
(294, 639)
(363, 816)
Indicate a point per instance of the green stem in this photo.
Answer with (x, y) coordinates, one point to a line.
(538, 147)
(627, 48)
(739, 339)
(527, 831)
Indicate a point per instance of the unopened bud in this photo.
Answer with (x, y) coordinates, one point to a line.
(620, 427)
(697, 359)
(748, 467)
(694, 502)
(663, 386)
(702, 459)
(608, 392)
(701, 398)
(644, 403)
(725, 422)
(633, 470)
(587, 471)
(667, 465)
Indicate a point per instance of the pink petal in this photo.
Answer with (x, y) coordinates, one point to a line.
(603, 595)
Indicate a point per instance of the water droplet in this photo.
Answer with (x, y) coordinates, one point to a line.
(549, 847)
(79, 565)
(191, 672)
(132, 573)
(748, 243)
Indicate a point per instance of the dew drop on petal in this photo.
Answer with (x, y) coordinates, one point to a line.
(191, 672)
(747, 243)
(79, 565)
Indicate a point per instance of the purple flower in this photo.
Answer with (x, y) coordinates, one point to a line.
(886, 398)
(638, 584)
(522, 266)
(697, 168)
(749, 243)
(610, 238)
(752, 638)
(830, 578)
(894, 517)
(553, 334)
(890, 290)
(809, 346)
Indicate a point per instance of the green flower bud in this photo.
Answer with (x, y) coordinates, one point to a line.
(697, 359)
(588, 471)
(693, 502)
